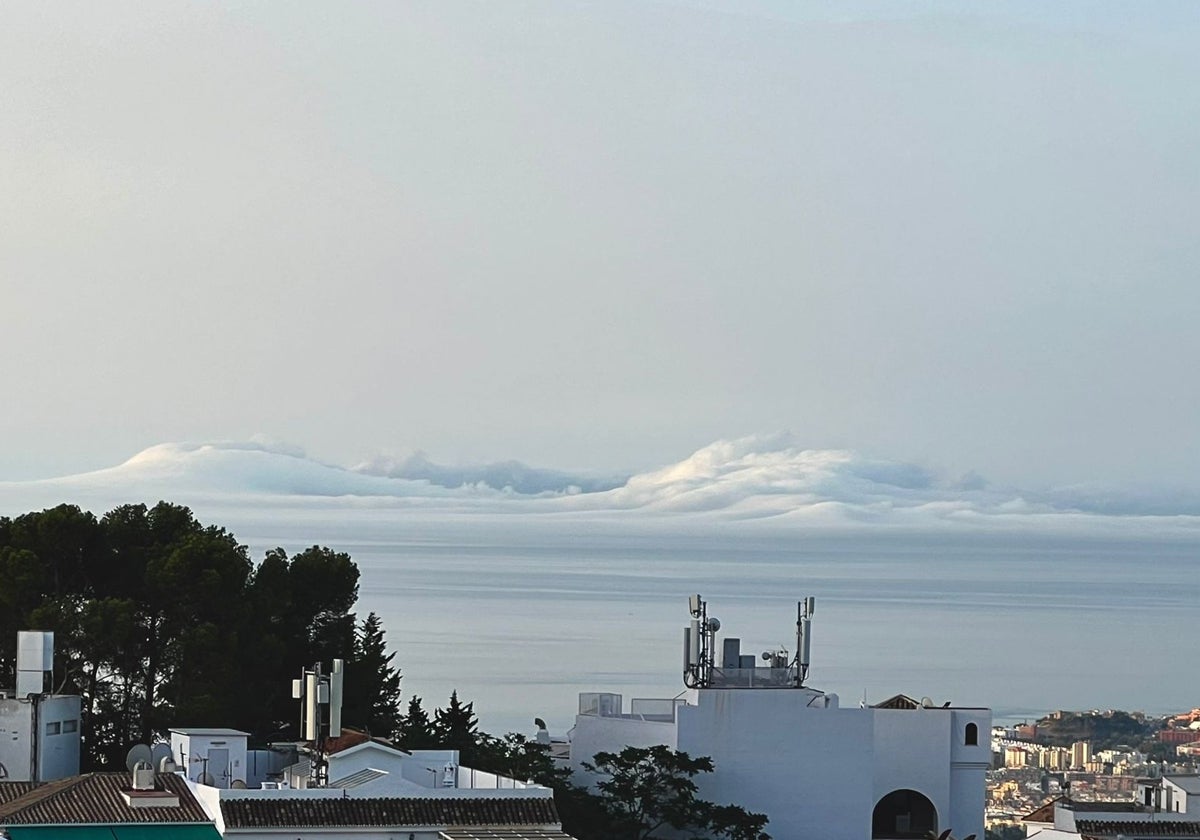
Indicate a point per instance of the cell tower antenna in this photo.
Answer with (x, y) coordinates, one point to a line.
(315, 690)
(805, 608)
(699, 644)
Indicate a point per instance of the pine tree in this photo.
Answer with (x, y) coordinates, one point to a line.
(650, 788)
(458, 727)
(372, 694)
(416, 731)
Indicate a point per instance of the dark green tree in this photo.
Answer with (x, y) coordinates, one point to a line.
(372, 683)
(517, 757)
(416, 730)
(44, 556)
(648, 789)
(324, 587)
(163, 621)
(302, 616)
(513, 755)
(457, 727)
(734, 822)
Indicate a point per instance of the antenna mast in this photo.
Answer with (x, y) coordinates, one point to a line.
(805, 608)
(699, 643)
(315, 690)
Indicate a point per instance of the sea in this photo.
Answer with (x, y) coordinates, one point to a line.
(519, 618)
(520, 601)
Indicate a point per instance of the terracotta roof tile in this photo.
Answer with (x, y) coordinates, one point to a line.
(11, 790)
(504, 834)
(1158, 828)
(96, 798)
(387, 811)
(352, 738)
(1044, 813)
(899, 701)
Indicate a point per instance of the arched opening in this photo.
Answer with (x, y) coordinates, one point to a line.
(903, 814)
(972, 737)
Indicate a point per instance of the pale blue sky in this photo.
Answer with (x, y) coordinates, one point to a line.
(601, 235)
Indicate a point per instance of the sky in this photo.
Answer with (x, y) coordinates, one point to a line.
(601, 236)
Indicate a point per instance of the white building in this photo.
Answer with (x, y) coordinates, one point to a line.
(215, 757)
(377, 792)
(1181, 794)
(374, 792)
(39, 731)
(817, 770)
(1063, 819)
(329, 813)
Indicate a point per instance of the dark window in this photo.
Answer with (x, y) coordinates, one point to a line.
(972, 739)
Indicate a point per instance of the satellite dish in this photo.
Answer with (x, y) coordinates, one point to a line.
(238, 784)
(158, 752)
(138, 753)
(206, 778)
(926, 702)
(714, 624)
(766, 655)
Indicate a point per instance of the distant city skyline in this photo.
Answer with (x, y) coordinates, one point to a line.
(600, 236)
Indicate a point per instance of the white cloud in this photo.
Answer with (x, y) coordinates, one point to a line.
(764, 482)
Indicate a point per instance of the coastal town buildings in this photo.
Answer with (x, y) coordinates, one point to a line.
(206, 783)
(1065, 819)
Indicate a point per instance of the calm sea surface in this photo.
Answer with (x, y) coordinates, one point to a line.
(521, 617)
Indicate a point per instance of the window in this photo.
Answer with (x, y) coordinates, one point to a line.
(53, 727)
(70, 726)
(972, 737)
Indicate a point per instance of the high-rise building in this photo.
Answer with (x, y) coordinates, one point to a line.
(1081, 754)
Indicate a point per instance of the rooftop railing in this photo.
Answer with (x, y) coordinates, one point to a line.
(753, 678)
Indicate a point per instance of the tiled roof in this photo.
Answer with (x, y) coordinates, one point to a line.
(95, 798)
(1044, 813)
(900, 701)
(503, 834)
(389, 811)
(11, 790)
(1123, 806)
(1103, 829)
(352, 738)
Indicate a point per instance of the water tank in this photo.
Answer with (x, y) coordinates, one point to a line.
(143, 776)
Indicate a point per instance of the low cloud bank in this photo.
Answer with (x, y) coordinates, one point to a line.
(501, 475)
(760, 479)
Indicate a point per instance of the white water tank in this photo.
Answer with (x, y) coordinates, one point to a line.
(143, 776)
(35, 658)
